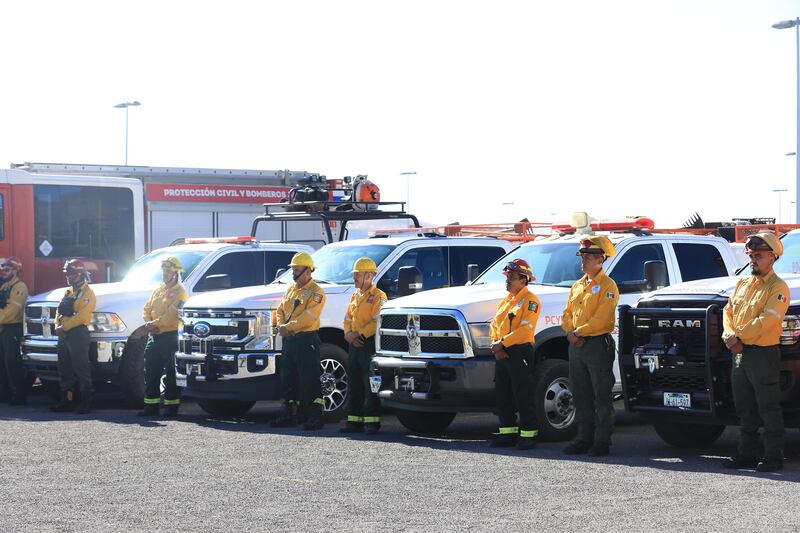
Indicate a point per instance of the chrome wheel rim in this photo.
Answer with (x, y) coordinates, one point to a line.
(559, 407)
(334, 384)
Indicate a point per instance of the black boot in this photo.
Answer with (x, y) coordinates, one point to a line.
(85, 405)
(64, 404)
(352, 427)
(288, 419)
(372, 428)
(150, 409)
(315, 420)
(171, 411)
(503, 440)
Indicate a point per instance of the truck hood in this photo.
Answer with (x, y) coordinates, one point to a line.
(478, 303)
(720, 287)
(260, 297)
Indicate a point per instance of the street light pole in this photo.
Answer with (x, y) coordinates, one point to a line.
(507, 205)
(408, 189)
(783, 25)
(126, 105)
(779, 191)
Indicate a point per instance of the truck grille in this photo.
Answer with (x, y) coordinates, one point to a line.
(423, 333)
(40, 319)
(226, 327)
(677, 382)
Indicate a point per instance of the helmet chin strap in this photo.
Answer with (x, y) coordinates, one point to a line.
(299, 275)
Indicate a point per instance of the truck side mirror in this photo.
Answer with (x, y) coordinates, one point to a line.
(472, 272)
(215, 282)
(278, 273)
(409, 280)
(655, 272)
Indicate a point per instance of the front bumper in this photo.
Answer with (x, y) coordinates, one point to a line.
(228, 376)
(40, 355)
(436, 385)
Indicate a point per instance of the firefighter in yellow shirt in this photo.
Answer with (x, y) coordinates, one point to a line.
(298, 324)
(13, 295)
(162, 315)
(360, 325)
(753, 321)
(512, 330)
(588, 320)
(73, 317)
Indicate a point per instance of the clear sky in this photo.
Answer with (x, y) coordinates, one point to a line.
(614, 107)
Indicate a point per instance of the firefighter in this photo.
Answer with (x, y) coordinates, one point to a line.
(588, 320)
(73, 317)
(512, 331)
(13, 295)
(752, 325)
(298, 324)
(161, 316)
(360, 324)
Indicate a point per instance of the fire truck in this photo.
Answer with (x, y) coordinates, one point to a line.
(110, 215)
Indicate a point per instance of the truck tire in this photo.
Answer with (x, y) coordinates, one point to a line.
(684, 435)
(334, 380)
(131, 372)
(424, 422)
(555, 410)
(225, 408)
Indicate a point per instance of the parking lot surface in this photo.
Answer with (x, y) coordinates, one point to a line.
(112, 470)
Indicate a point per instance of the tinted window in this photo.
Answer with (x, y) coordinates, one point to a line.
(334, 263)
(244, 269)
(88, 222)
(552, 264)
(432, 262)
(461, 256)
(789, 262)
(699, 261)
(630, 266)
(147, 269)
(275, 262)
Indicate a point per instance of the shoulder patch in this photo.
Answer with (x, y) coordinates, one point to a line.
(306, 293)
(370, 298)
(610, 295)
(781, 298)
(383, 301)
(86, 300)
(595, 289)
(317, 297)
(533, 306)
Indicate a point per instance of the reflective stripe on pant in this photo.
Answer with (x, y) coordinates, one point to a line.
(12, 373)
(159, 361)
(591, 378)
(299, 369)
(757, 395)
(362, 404)
(513, 379)
(74, 367)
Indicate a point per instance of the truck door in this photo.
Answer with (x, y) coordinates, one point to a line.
(5, 221)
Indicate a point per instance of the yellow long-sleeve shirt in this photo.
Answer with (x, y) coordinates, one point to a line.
(755, 310)
(301, 307)
(13, 312)
(164, 306)
(591, 306)
(84, 307)
(362, 311)
(519, 329)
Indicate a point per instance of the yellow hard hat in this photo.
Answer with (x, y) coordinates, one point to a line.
(365, 264)
(764, 241)
(597, 244)
(302, 259)
(172, 263)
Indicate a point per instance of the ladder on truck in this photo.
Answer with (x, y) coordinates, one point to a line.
(278, 178)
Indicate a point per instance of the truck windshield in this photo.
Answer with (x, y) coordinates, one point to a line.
(147, 269)
(553, 263)
(789, 262)
(334, 264)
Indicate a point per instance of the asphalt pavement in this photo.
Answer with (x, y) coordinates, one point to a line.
(112, 470)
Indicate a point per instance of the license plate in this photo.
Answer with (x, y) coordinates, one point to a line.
(375, 384)
(180, 381)
(677, 399)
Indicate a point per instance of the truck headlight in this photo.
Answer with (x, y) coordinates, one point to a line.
(481, 336)
(106, 323)
(261, 330)
(791, 330)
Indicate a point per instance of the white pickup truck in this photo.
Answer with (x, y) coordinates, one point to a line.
(228, 356)
(433, 351)
(116, 332)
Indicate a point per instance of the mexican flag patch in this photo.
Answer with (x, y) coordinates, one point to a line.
(533, 306)
(610, 295)
(780, 297)
(316, 297)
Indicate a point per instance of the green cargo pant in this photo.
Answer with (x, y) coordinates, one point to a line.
(12, 373)
(591, 378)
(757, 396)
(513, 382)
(362, 405)
(159, 361)
(299, 370)
(74, 367)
